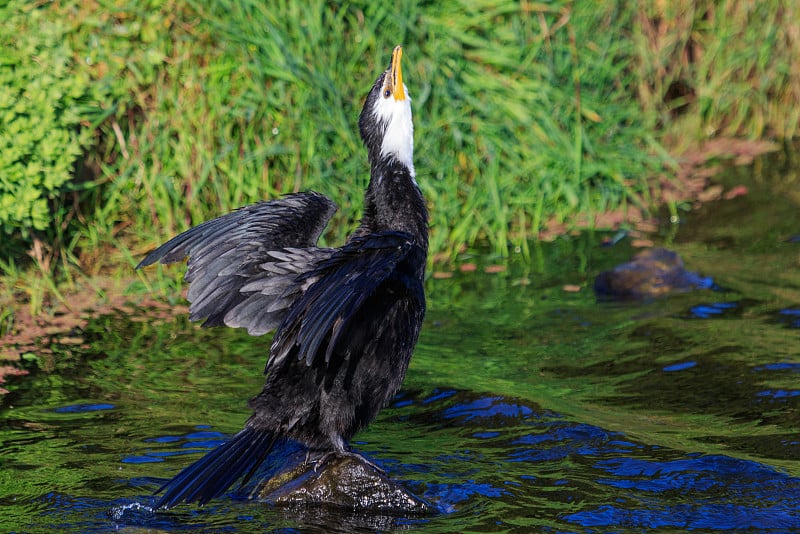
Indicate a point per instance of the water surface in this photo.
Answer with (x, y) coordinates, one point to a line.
(526, 407)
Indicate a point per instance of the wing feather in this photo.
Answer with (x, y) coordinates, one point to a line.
(342, 283)
(242, 266)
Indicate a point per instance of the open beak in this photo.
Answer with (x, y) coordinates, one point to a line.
(396, 75)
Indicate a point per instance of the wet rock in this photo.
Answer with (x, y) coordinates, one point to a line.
(340, 481)
(651, 273)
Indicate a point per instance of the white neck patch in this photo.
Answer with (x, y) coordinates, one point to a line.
(398, 141)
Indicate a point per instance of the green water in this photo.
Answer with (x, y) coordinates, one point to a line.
(526, 407)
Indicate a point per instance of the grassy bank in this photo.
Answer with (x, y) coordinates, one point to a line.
(525, 113)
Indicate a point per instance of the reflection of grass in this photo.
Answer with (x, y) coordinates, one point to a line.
(707, 413)
(525, 113)
(609, 365)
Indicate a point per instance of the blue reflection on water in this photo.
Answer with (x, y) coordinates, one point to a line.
(790, 317)
(143, 459)
(688, 491)
(687, 516)
(195, 442)
(694, 472)
(612, 481)
(779, 393)
(449, 495)
(780, 366)
(682, 366)
(715, 309)
(207, 435)
(486, 407)
(84, 408)
(165, 439)
(439, 394)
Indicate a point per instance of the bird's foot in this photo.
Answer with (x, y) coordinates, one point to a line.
(322, 459)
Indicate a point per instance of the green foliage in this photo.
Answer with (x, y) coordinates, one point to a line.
(45, 102)
(67, 73)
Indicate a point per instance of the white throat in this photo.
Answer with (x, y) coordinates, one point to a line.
(398, 141)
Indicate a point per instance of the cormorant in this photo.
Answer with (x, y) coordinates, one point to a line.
(346, 318)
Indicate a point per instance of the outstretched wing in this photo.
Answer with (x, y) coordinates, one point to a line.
(243, 265)
(335, 291)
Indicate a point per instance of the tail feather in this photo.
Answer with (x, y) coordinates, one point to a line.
(210, 476)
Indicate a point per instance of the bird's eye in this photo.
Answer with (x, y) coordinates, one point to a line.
(387, 93)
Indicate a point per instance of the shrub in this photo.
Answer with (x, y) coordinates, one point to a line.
(47, 107)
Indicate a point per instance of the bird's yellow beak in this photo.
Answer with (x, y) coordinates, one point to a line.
(397, 74)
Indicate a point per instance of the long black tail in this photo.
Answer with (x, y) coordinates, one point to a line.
(214, 473)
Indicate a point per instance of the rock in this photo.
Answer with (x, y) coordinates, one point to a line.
(651, 273)
(340, 481)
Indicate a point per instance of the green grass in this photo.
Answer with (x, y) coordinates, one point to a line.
(525, 113)
(720, 68)
(513, 122)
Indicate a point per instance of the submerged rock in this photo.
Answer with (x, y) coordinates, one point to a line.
(651, 273)
(340, 481)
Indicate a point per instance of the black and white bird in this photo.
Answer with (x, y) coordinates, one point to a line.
(346, 319)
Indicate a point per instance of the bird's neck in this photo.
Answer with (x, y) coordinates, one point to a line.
(394, 202)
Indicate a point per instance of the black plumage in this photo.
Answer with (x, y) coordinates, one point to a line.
(346, 319)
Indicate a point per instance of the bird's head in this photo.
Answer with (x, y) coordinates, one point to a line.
(385, 122)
